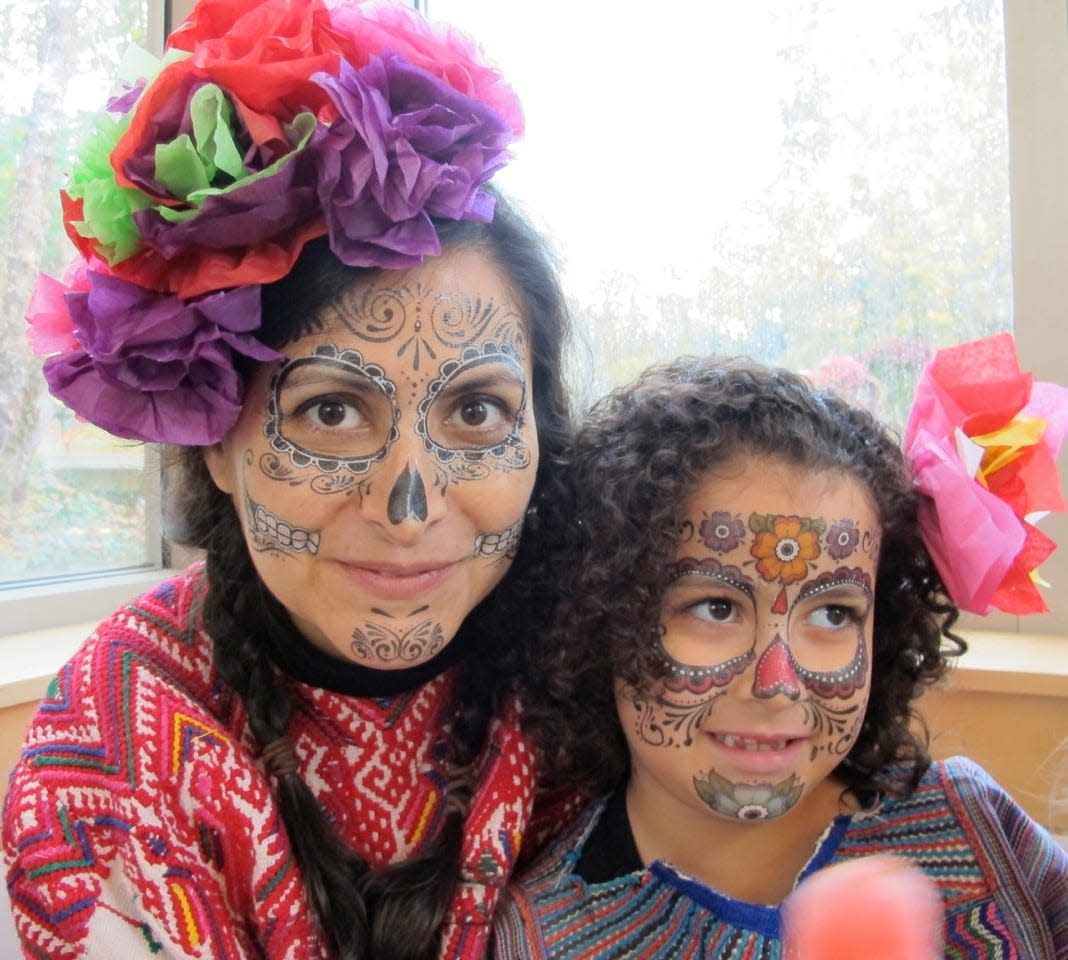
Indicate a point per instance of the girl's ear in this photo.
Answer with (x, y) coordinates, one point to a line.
(220, 465)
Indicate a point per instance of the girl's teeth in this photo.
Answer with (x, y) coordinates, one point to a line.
(760, 746)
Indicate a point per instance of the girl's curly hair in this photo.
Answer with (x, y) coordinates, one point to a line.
(629, 473)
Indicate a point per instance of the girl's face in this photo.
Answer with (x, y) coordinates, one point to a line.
(767, 636)
(382, 469)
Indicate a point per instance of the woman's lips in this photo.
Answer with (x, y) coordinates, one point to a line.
(400, 582)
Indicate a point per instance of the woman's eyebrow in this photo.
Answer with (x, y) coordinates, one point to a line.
(313, 374)
(494, 373)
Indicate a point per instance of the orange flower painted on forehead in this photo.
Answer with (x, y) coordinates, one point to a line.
(784, 545)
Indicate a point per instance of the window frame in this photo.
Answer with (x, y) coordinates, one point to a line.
(1036, 44)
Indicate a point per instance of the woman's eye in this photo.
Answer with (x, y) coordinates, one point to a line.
(716, 610)
(332, 412)
(478, 412)
(477, 421)
(832, 616)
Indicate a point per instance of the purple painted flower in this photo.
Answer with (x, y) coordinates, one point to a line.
(721, 531)
(405, 148)
(154, 367)
(842, 539)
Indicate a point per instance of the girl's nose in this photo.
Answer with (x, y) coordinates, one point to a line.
(775, 673)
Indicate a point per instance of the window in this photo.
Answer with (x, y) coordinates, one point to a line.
(72, 500)
(819, 184)
(853, 270)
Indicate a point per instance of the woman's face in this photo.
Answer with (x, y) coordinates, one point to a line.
(767, 639)
(382, 469)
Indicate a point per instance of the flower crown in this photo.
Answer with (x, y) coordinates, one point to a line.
(982, 439)
(263, 127)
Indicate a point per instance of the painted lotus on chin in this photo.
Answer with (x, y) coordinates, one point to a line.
(264, 127)
(747, 801)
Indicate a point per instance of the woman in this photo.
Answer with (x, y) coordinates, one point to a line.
(306, 745)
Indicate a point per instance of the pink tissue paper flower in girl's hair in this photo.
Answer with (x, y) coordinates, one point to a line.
(874, 908)
(982, 439)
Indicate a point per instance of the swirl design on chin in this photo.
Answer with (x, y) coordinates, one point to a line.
(378, 642)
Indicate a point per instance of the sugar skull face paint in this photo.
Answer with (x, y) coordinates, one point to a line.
(766, 633)
(382, 469)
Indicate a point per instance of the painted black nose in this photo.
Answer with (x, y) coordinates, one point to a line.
(407, 498)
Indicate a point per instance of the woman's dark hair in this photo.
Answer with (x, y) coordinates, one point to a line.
(630, 471)
(397, 911)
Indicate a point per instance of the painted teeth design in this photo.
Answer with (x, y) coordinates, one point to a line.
(758, 746)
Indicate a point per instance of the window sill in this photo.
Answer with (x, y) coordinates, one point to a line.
(996, 662)
(1017, 663)
(44, 625)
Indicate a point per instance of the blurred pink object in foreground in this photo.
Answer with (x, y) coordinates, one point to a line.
(875, 908)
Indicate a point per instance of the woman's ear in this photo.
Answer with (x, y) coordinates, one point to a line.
(220, 465)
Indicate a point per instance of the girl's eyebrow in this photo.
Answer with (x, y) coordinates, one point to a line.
(731, 576)
(844, 585)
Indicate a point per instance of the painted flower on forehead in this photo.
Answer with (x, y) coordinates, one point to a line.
(784, 545)
(842, 538)
(722, 531)
(149, 366)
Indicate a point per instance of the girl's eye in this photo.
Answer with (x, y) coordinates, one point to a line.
(715, 610)
(832, 617)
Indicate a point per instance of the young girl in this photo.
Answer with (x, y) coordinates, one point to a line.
(295, 274)
(748, 615)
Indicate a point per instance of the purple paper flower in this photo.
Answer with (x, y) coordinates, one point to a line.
(406, 147)
(154, 367)
(842, 539)
(721, 531)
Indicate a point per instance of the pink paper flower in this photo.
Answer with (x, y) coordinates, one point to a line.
(982, 440)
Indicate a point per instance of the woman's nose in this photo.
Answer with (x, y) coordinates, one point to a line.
(402, 498)
(407, 497)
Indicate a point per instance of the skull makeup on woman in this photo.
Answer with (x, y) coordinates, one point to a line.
(295, 275)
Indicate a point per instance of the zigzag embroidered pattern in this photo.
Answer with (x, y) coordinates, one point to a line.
(658, 913)
(138, 819)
